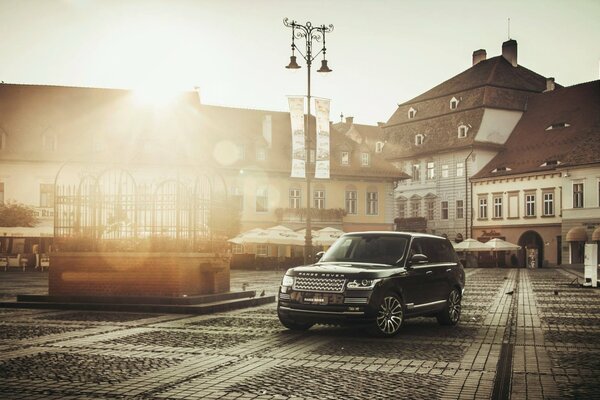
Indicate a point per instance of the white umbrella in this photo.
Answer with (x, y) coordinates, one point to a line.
(327, 236)
(274, 235)
(501, 245)
(470, 245)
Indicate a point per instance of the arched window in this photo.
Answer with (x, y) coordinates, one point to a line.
(454, 103)
(419, 139)
(462, 131)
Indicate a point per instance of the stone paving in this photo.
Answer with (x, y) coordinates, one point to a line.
(523, 334)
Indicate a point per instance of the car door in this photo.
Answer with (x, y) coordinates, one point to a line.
(415, 283)
(441, 267)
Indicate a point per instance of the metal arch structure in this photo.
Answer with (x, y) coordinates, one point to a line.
(134, 208)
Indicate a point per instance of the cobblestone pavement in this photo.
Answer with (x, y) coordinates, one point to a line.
(523, 334)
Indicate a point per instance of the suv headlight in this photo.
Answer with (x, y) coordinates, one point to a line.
(287, 280)
(362, 284)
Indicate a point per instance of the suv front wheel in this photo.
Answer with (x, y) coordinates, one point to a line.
(294, 326)
(450, 315)
(390, 316)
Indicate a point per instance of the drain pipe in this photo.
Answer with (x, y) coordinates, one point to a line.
(467, 231)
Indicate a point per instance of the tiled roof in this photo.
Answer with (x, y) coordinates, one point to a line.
(574, 138)
(495, 71)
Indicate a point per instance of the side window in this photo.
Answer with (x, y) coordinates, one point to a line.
(447, 251)
(416, 247)
(432, 249)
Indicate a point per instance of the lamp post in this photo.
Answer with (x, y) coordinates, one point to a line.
(309, 33)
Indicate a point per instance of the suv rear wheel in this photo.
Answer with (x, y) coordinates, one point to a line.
(390, 316)
(450, 315)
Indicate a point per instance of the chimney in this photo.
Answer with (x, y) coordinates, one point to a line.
(509, 51)
(550, 86)
(197, 90)
(350, 120)
(478, 56)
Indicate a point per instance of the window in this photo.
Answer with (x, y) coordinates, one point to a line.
(364, 159)
(460, 209)
(237, 249)
(453, 103)
(460, 169)
(483, 208)
(530, 205)
(497, 206)
(430, 170)
(262, 250)
(444, 210)
(1, 192)
(49, 141)
(262, 199)
(402, 209)
(578, 195)
(416, 172)
(548, 203)
(501, 169)
(319, 199)
(378, 147)
(372, 203)
(261, 154)
(345, 160)
(351, 202)
(462, 131)
(237, 197)
(46, 195)
(430, 210)
(415, 208)
(294, 198)
(419, 138)
(241, 152)
(411, 113)
(444, 171)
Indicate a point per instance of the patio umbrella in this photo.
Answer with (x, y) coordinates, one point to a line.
(501, 245)
(274, 235)
(327, 236)
(471, 245)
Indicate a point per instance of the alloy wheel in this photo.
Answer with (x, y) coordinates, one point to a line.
(390, 315)
(454, 306)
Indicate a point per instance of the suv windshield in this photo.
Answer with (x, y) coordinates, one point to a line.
(379, 249)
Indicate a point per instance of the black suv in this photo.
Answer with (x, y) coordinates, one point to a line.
(375, 278)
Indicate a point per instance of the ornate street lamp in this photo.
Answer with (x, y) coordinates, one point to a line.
(309, 33)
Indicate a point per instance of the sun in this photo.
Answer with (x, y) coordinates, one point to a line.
(156, 95)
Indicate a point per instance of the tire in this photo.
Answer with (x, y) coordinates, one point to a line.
(390, 316)
(450, 315)
(294, 326)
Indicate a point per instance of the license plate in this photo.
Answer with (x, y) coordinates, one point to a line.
(317, 298)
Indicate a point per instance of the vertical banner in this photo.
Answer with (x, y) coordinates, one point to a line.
(298, 151)
(322, 117)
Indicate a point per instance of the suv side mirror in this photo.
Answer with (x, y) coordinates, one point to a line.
(418, 259)
(319, 255)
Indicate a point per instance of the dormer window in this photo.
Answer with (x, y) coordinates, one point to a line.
(454, 103)
(261, 154)
(551, 163)
(558, 125)
(411, 113)
(462, 131)
(345, 158)
(419, 138)
(501, 169)
(378, 147)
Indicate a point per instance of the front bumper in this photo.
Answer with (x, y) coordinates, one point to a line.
(351, 306)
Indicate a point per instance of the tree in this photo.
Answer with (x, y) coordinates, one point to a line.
(16, 214)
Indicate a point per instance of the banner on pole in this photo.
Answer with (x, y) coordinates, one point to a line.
(323, 157)
(298, 139)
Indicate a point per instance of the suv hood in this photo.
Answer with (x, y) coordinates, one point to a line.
(346, 270)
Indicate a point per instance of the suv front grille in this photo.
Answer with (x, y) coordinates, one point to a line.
(333, 285)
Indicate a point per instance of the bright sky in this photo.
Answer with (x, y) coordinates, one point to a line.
(382, 52)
